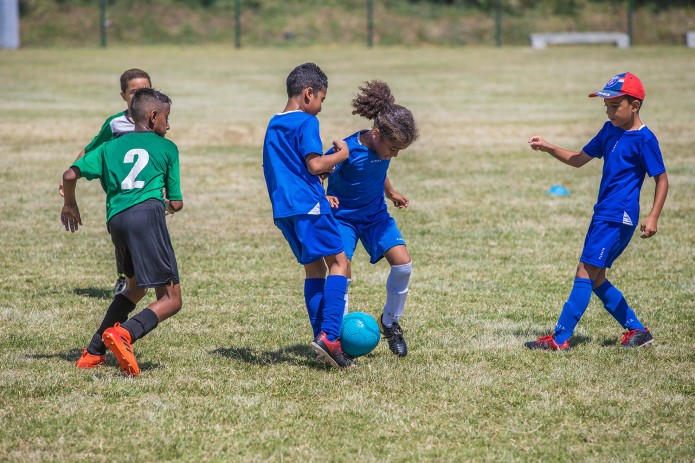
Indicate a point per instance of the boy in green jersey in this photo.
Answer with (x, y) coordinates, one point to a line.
(133, 170)
(115, 126)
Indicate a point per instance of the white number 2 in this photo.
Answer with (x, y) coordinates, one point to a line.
(129, 182)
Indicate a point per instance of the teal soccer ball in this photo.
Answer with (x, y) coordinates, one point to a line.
(359, 334)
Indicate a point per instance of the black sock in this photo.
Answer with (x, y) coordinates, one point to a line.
(141, 324)
(117, 313)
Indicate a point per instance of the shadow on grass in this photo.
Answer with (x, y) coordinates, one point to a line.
(298, 354)
(97, 293)
(72, 355)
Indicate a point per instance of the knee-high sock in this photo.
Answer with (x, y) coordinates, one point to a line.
(615, 303)
(141, 324)
(333, 306)
(573, 309)
(313, 297)
(117, 312)
(347, 289)
(396, 292)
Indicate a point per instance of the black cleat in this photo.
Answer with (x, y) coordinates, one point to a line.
(637, 338)
(330, 352)
(394, 336)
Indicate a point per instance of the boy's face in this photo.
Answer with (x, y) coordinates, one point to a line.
(384, 148)
(160, 120)
(133, 86)
(620, 112)
(313, 100)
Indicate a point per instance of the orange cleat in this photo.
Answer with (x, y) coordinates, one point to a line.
(118, 341)
(90, 361)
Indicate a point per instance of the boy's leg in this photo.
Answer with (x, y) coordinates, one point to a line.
(573, 310)
(313, 293)
(396, 283)
(334, 296)
(614, 302)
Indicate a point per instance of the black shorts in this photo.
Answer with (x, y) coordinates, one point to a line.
(143, 245)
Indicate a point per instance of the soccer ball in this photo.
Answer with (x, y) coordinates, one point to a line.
(359, 334)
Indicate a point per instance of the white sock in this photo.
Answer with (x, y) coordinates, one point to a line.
(345, 311)
(396, 292)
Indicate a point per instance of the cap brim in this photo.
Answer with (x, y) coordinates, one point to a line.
(607, 94)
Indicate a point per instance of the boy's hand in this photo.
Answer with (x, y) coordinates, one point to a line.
(340, 149)
(399, 200)
(70, 216)
(333, 201)
(648, 227)
(538, 143)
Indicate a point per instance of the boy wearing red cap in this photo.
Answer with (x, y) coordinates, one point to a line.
(629, 151)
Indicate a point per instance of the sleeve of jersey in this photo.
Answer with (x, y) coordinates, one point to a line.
(104, 135)
(652, 159)
(310, 137)
(595, 147)
(91, 164)
(173, 181)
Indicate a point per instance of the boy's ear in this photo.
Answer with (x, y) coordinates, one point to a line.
(152, 117)
(123, 96)
(309, 93)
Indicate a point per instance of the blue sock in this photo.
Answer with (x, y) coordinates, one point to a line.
(313, 297)
(616, 305)
(573, 309)
(333, 306)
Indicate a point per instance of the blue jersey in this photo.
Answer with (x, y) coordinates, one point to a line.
(627, 157)
(293, 190)
(358, 183)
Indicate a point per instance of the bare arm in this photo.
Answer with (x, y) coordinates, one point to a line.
(60, 187)
(318, 164)
(399, 200)
(649, 225)
(571, 158)
(70, 215)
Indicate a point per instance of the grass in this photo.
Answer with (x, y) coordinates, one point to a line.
(230, 378)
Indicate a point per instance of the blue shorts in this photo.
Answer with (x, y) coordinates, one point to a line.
(311, 237)
(377, 236)
(604, 242)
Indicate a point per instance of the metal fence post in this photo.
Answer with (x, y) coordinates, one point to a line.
(102, 22)
(498, 23)
(370, 23)
(630, 10)
(237, 23)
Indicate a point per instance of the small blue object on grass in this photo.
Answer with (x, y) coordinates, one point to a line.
(558, 190)
(359, 334)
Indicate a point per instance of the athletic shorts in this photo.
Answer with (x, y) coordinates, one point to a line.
(310, 236)
(377, 236)
(604, 242)
(143, 245)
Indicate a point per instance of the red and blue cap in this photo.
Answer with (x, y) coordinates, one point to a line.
(622, 84)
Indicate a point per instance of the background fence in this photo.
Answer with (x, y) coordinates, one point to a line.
(369, 22)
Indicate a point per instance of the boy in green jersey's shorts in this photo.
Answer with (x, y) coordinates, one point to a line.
(133, 170)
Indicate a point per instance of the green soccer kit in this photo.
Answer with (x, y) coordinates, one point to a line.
(113, 127)
(132, 169)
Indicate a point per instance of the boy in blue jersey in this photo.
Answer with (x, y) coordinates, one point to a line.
(292, 166)
(115, 126)
(357, 190)
(629, 151)
(133, 170)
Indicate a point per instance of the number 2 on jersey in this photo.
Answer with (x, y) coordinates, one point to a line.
(129, 182)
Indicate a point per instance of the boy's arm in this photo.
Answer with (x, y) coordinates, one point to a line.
(318, 164)
(649, 225)
(399, 200)
(70, 215)
(60, 187)
(571, 158)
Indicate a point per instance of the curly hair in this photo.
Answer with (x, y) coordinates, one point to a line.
(131, 74)
(395, 122)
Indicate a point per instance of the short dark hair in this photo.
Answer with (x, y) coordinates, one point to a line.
(131, 74)
(145, 100)
(304, 76)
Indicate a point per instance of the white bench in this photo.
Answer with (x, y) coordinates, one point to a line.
(542, 40)
(690, 39)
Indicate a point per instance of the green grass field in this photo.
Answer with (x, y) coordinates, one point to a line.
(230, 378)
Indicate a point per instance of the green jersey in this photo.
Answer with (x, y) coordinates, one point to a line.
(132, 169)
(113, 127)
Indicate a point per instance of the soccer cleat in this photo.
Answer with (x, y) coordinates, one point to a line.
(89, 360)
(394, 335)
(118, 341)
(330, 352)
(547, 343)
(120, 285)
(637, 338)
